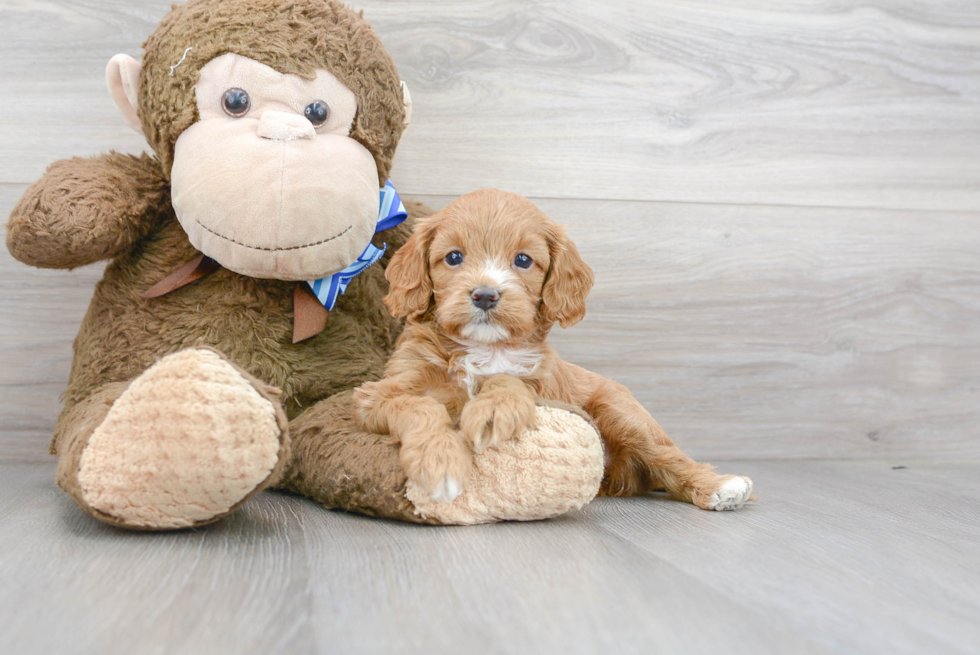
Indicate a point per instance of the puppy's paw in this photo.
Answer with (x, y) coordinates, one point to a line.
(490, 419)
(365, 403)
(733, 492)
(447, 490)
(438, 463)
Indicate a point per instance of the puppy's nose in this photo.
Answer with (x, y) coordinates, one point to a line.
(485, 297)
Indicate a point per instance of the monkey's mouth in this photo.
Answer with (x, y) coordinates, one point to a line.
(269, 211)
(283, 249)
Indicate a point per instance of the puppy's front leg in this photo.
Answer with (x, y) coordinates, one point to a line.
(642, 457)
(502, 410)
(432, 453)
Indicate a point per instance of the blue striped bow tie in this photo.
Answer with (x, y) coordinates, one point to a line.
(391, 213)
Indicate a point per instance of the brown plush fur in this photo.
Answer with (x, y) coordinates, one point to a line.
(441, 409)
(338, 464)
(86, 210)
(247, 319)
(291, 37)
(118, 207)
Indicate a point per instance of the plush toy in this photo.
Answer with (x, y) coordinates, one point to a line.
(242, 301)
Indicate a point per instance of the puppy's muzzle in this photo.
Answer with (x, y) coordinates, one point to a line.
(484, 297)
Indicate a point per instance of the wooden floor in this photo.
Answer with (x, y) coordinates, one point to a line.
(781, 202)
(839, 556)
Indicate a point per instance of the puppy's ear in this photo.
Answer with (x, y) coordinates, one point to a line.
(568, 282)
(410, 288)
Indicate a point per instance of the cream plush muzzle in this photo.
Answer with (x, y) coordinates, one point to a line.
(267, 193)
(284, 209)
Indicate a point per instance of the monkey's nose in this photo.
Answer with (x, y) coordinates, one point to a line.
(283, 126)
(485, 297)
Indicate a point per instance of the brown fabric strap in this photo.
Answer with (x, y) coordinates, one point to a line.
(309, 316)
(192, 271)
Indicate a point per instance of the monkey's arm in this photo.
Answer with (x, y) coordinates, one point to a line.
(87, 209)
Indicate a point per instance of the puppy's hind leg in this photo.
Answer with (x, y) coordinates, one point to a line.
(642, 457)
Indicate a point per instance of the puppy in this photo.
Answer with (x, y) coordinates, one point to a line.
(481, 283)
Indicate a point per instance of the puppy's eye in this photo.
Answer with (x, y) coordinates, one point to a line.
(455, 258)
(523, 261)
(317, 112)
(236, 102)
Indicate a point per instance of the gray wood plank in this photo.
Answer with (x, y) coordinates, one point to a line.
(556, 587)
(72, 585)
(863, 556)
(822, 103)
(837, 557)
(747, 331)
(786, 332)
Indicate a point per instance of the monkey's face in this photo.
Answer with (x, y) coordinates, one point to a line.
(268, 182)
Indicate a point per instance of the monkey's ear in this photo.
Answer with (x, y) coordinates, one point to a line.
(410, 289)
(122, 76)
(568, 282)
(407, 99)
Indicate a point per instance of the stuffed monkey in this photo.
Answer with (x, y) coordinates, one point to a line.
(242, 300)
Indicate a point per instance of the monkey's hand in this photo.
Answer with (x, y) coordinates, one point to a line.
(502, 410)
(87, 209)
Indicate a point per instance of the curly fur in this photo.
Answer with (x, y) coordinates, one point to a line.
(450, 388)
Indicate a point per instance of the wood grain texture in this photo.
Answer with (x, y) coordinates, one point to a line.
(837, 557)
(747, 332)
(809, 103)
(786, 332)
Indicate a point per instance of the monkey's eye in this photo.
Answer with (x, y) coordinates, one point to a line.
(236, 102)
(455, 258)
(317, 112)
(523, 261)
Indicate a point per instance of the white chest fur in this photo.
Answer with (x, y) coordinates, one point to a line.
(481, 361)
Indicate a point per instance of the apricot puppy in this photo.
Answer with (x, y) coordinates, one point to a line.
(481, 283)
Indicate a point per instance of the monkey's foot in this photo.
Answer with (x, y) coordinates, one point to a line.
(187, 442)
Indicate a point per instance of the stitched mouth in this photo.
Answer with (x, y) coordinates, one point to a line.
(245, 245)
